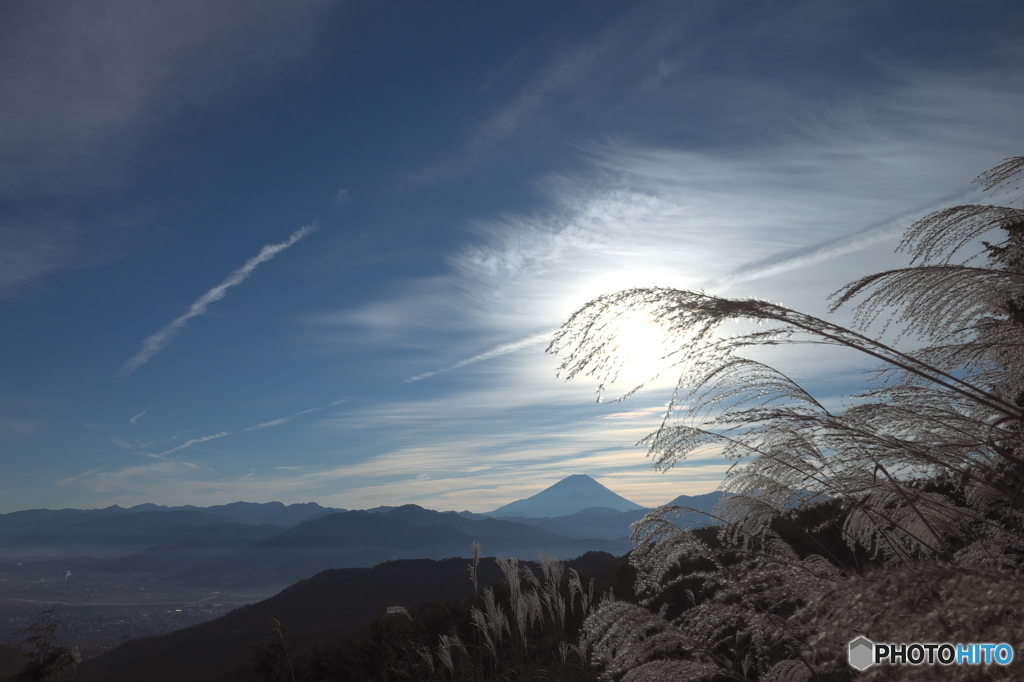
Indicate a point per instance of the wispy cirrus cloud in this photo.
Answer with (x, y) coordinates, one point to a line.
(97, 480)
(14, 428)
(162, 338)
(839, 187)
(475, 471)
(85, 84)
(71, 480)
(29, 251)
(834, 248)
(561, 75)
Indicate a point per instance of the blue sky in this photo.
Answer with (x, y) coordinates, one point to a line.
(247, 248)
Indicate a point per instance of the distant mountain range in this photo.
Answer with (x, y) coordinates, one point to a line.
(271, 545)
(360, 538)
(250, 513)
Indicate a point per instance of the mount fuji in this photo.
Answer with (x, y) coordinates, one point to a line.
(569, 496)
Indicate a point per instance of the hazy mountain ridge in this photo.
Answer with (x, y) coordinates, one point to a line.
(156, 559)
(705, 502)
(249, 513)
(360, 538)
(322, 537)
(605, 523)
(599, 523)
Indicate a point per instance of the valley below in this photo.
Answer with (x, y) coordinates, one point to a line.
(99, 611)
(122, 581)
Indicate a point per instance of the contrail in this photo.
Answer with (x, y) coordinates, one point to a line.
(158, 341)
(492, 353)
(194, 441)
(135, 420)
(285, 420)
(282, 420)
(264, 425)
(812, 255)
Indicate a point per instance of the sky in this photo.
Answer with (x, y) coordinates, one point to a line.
(314, 251)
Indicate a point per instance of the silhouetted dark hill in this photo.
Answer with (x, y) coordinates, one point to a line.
(329, 600)
(11, 661)
(325, 603)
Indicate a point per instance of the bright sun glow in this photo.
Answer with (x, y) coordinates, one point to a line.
(641, 349)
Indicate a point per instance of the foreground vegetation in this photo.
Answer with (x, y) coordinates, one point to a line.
(922, 475)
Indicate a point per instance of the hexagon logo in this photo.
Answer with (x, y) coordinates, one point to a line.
(862, 652)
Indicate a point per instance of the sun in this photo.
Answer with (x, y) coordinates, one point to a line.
(641, 349)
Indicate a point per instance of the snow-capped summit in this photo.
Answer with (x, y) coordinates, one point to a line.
(570, 495)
